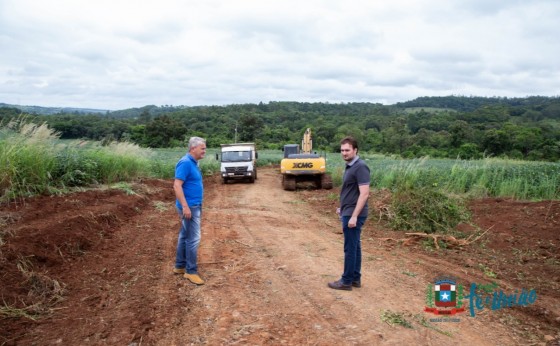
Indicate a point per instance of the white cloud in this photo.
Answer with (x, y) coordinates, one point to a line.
(120, 53)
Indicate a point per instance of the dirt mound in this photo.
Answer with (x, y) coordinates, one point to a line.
(95, 267)
(49, 246)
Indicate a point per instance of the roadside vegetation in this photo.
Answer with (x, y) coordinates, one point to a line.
(487, 177)
(427, 195)
(33, 160)
(431, 195)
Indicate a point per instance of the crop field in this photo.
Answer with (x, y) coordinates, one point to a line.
(526, 180)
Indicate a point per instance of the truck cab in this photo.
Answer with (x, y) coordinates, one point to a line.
(238, 161)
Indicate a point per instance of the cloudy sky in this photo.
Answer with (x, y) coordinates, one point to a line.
(116, 54)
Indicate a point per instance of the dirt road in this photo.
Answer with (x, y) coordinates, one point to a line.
(266, 254)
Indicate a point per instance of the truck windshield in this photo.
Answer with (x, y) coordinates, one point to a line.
(236, 156)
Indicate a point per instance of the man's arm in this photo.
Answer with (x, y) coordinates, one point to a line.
(362, 200)
(180, 195)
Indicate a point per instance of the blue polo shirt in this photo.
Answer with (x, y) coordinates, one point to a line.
(355, 174)
(187, 170)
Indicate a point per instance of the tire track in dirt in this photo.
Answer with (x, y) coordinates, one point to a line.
(233, 265)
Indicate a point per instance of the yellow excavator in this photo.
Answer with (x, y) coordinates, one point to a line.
(299, 165)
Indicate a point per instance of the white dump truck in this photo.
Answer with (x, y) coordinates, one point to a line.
(238, 161)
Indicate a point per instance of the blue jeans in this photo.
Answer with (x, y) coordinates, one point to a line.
(352, 250)
(189, 239)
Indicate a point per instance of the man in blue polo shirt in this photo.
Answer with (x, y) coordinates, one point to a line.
(189, 192)
(353, 212)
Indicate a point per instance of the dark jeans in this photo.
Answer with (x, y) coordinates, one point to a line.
(352, 250)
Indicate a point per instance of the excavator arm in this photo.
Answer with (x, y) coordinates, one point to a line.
(307, 142)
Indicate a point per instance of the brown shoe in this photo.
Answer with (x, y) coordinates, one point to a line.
(178, 270)
(356, 284)
(194, 278)
(338, 285)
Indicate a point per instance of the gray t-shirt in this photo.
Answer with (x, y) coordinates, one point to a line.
(355, 174)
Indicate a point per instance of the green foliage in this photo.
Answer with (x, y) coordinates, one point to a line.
(487, 271)
(395, 318)
(119, 161)
(469, 151)
(163, 161)
(27, 156)
(162, 169)
(269, 157)
(164, 132)
(250, 126)
(444, 127)
(125, 187)
(426, 210)
(477, 178)
(421, 319)
(73, 169)
(209, 167)
(34, 161)
(508, 128)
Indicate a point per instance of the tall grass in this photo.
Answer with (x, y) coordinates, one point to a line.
(34, 161)
(27, 156)
(527, 180)
(269, 157)
(163, 161)
(119, 161)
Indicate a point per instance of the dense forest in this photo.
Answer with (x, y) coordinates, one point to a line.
(451, 126)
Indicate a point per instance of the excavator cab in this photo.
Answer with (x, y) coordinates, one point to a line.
(290, 149)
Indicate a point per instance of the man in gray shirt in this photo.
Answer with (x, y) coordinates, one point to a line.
(353, 213)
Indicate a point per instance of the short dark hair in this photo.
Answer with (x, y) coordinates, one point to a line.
(349, 140)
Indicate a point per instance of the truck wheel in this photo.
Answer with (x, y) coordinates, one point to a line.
(289, 183)
(224, 180)
(256, 173)
(252, 179)
(326, 182)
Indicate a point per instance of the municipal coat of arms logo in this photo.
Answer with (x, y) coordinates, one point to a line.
(444, 297)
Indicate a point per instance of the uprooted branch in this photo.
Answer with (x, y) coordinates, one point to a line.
(448, 239)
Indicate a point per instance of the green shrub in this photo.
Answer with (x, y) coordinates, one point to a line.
(426, 209)
(73, 169)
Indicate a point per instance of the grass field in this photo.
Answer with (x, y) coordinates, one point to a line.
(527, 180)
(33, 161)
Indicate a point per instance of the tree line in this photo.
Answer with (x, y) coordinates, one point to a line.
(452, 126)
